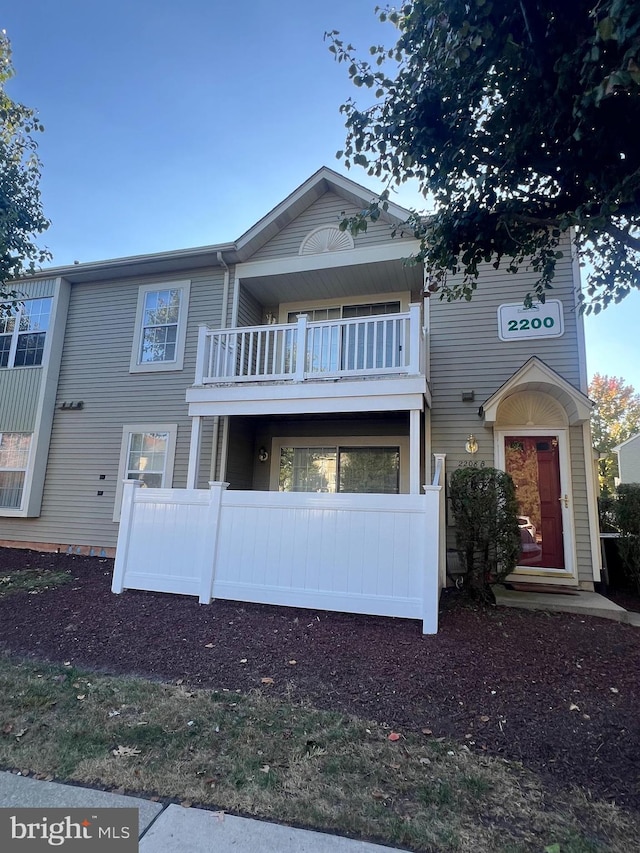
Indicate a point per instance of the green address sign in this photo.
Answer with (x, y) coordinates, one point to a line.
(515, 322)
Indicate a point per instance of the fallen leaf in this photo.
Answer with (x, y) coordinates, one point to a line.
(266, 680)
(393, 736)
(186, 804)
(293, 662)
(427, 732)
(81, 696)
(573, 707)
(125, 750)
(377, 794)
(425, 761)
(265, 768)
(614, 689)
(484, 719)
(208, 645)
(114, 713)
(243, 660)
(20, 733)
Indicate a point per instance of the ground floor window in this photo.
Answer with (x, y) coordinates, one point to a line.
(361, 469)
(147, 454)
(14, 457)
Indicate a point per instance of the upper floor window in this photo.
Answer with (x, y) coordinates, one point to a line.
(160, 327)
(23, 333)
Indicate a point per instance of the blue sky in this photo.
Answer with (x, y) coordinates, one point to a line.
(173, 124)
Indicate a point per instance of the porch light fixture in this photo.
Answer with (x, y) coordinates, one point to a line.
(472, 445)
(263, 454)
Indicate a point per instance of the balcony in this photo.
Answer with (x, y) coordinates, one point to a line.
(381, 345)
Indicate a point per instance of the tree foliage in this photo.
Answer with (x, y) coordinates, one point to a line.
(614, 419)
(21, 214)
(519, 120)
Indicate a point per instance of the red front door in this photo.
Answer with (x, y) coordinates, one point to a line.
(533, 462)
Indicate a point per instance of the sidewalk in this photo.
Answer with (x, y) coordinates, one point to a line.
(174, 829)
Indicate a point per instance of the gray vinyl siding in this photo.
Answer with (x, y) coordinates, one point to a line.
(85, 444)
(250, 311)
(19, 394)
(20, 386)
(629, 461)
(327, 210)
(580, 507)
(35, 289)
(467, 354)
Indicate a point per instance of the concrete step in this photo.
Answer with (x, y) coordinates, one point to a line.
(585, 603)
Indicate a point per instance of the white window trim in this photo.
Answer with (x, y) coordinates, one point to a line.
(401, 441)
(167, 478)
(137, 366)
(15, 334)
(568, 523)
(285, 308)
(19, 511)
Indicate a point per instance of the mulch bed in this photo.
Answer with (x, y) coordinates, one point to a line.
(558, 692)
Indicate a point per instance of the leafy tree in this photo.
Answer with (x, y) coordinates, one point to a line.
(21, 215)
(615, 418)
(518, 119)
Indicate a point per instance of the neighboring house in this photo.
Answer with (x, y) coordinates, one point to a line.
(629, 460)
(306, 369)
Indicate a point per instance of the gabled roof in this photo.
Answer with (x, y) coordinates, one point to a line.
(628, 441)
(323, 181)
(535, 375)
(181, 260)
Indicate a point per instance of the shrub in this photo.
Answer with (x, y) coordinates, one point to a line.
(627, 512)
(487, 533)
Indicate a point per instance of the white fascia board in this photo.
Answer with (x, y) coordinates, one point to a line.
(391, 251)
(309, 398)
(335, 182)
(624, 443)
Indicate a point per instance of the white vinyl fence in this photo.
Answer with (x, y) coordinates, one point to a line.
(375, 554)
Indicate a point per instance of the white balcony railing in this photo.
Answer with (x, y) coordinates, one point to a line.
(378, 345)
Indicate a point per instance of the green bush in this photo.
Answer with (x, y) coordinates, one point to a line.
(627, 513)
(484, 504)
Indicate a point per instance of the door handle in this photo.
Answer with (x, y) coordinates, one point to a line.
(565, 499)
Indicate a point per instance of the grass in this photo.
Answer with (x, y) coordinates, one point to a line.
(31, 580)
(259, 755)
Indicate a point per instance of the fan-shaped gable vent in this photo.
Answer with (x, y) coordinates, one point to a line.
(531, 408)
(326, 238)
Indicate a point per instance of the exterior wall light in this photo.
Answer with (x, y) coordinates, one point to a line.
(472, 445)
(263, 454)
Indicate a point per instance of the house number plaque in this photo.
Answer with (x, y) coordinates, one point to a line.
(515, 322)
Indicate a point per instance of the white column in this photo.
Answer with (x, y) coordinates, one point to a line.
(124, 534)
(194, 452)
(208, 569)
(442, 514)
(201, 353)
(301, 348)
(414, 452)
(415, 331)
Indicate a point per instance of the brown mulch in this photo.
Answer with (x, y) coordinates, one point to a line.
(558, 692)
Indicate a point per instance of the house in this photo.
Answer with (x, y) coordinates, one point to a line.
(270, 419)
(628, 454)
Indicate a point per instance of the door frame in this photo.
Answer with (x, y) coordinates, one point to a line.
(568, 524)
